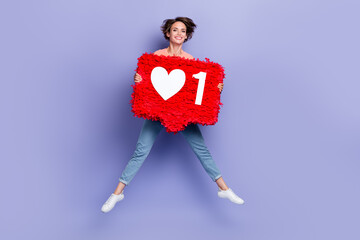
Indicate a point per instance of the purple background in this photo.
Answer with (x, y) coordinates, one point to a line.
(287, 140)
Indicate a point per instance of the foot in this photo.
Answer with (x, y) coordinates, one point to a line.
(112, 200)
(229, 194)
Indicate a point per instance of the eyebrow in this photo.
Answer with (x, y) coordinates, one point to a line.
(180, 29)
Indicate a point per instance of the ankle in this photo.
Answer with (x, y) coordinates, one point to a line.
(118, 193)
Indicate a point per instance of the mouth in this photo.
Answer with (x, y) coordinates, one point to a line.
(178, 38)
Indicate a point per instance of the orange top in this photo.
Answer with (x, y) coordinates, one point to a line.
(165, 52)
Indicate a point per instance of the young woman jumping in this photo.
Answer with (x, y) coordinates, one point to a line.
(176, 31)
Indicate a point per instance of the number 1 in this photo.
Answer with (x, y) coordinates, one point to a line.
(200, 90)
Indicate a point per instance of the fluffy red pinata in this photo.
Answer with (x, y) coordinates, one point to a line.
(179, 110)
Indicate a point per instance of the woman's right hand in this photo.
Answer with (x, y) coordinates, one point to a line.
(137, 77)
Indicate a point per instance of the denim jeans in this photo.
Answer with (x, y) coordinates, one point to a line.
(148, 134)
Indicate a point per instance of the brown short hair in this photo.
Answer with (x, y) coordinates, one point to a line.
(190, 26)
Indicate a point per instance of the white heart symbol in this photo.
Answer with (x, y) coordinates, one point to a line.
(167, 85)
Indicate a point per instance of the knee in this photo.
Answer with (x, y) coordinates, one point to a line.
(199, 146)
(203, 153)
(140, 151)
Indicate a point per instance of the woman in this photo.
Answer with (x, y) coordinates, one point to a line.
(176, 31)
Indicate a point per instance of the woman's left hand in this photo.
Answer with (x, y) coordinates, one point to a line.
(220, 86)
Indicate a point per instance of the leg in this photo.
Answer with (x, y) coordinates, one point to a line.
(148, 134)
(194, 137)
(147, 137)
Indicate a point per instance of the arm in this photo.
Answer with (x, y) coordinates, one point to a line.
(137, 77)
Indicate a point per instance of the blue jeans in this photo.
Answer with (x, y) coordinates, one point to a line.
(148, 134)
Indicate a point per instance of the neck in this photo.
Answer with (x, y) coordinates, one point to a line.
(174, 49)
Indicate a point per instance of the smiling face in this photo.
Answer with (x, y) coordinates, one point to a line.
(177, 33)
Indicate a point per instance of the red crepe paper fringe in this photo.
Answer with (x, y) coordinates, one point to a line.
(179, 110)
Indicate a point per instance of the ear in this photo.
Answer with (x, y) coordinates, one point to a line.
(168, 34)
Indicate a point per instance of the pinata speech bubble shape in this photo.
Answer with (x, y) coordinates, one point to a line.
(177, 91)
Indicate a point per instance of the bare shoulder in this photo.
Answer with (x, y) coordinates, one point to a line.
(187, 55)
(160, 52)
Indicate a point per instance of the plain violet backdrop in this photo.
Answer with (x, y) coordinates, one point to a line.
(287, 140)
